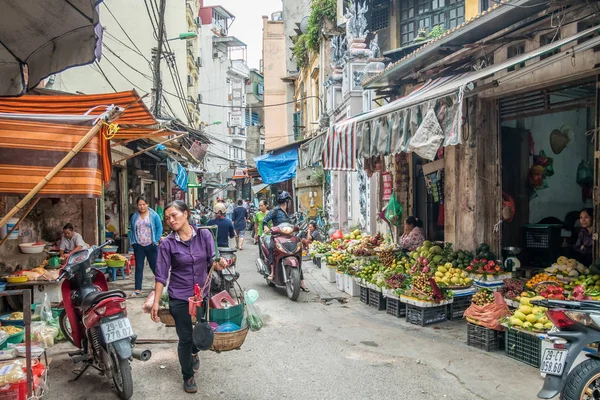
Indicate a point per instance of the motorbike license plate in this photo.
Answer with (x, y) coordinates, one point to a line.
(116, 330)
(553, 361)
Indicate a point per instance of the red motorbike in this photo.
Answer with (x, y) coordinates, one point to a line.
(287, 258)
(95, 321)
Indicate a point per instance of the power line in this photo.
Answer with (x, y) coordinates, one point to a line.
(263, 106)
(113, 37)
(123, 29)
(126, 63)
(104, 75)
(124, 77)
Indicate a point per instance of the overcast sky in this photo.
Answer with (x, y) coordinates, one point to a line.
(248, 22)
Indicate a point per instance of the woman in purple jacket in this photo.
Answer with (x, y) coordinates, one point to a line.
(187, 254)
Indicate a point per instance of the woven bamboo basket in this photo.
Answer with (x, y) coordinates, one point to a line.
(225, 341)
(165, 317)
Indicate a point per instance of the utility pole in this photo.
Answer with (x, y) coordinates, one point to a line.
(158, 56)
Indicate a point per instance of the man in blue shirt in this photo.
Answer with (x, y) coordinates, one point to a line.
(240, 217)
(225, 226)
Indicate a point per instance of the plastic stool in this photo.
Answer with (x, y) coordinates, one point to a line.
(112, 271)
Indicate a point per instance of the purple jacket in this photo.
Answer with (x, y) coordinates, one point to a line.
(187, 265)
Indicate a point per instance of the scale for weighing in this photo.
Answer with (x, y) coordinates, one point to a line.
(511, 262)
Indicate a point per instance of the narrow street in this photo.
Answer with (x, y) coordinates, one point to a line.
(314, 350)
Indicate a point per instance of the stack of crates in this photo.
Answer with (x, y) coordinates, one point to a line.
(364, 295)
(395, 307)
(377, 300)
(459, 305)
(425, 315)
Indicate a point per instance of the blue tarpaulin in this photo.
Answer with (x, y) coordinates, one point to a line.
(280, 167)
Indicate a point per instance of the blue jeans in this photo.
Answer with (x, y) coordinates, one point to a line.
(140, 253)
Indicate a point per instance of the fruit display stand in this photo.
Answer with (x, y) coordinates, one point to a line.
(330, 269)
(460, 302)
(484, 338)
(524, 346)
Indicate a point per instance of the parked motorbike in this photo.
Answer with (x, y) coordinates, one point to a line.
(287, 258)
(95, 321)
(578, 324)
(224, 280)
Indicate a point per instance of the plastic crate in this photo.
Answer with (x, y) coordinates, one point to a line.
(542, 244)
(457, 308)
(523, 346)
(395, 307)
(484, 338)
(16, 391)
(377, 300)
(425, 316)
(364, 295)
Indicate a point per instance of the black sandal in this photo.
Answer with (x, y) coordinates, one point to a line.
(304, 289)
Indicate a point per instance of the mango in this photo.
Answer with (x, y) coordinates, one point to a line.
(543, 320)
(439, 274)
(532, 318)
(539, 326)
(442, 269)
(525, 309)
(527, 325)
(525, 301)
(520, 315)
(548, 325)
(524, 294)
(515, 322)
(536, 310)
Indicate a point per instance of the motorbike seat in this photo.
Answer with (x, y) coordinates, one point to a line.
(227, 250)
(95, 297)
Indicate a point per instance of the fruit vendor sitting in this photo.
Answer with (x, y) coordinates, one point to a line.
(311, 234)
(583, 246)
(413, 236)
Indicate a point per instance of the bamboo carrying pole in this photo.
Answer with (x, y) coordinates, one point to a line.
(111, 115)
(146, 150)
(19, 221)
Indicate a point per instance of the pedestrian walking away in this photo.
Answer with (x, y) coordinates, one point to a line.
(224, 225)
(185, 258)
(240, 218)
(144, 234)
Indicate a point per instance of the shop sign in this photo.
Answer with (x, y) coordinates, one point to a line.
(387, 186)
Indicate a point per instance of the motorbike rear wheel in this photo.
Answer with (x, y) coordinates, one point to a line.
(292, 286)
(65, 326)
(121, 374)
(583, 383)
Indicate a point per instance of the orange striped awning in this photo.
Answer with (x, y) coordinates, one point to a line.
(137, 120)
(29, 150)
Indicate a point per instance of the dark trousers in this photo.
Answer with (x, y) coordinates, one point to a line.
(183, 325)
(141, 253)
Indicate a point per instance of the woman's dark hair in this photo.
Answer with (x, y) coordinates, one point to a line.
(143, 198)
(313, 223)
(180, 206)
(68, 226)
(240, 202)
(414, 221)
(106, 217)
(264, 202)
(589, 211)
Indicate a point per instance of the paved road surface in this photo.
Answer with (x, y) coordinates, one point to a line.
(313, 349)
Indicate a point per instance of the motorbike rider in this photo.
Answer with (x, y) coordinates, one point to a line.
(279, 215)
(225, 226)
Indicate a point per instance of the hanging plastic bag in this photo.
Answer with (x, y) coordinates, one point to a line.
(393, 211)
(254, 317)
(428, 138)
(46, 310)
(47, 316)
(585, 174)
(147, 306)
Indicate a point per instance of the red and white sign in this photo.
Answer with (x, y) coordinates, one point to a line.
(387, 186)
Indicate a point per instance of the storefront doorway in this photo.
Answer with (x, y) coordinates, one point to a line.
(547, 158)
